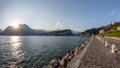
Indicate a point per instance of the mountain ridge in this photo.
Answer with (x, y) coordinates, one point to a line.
(24, 29)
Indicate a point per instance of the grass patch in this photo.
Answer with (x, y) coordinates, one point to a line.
(111, 34)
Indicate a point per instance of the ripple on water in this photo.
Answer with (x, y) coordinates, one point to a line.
(34, 51)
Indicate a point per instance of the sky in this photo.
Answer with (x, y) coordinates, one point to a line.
(77, 15)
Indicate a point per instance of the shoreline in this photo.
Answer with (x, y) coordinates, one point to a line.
(75, 62)
(94, 53)
(66, 60)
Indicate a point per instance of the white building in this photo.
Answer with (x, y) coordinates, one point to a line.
(101, 31)
(118, 28)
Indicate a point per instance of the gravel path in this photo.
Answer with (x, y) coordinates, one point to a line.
(98, 56)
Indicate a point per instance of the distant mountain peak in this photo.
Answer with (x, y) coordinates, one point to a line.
(24, 29)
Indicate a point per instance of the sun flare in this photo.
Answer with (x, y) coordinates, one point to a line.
(15, 25)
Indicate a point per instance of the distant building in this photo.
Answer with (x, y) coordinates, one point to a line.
(101, 31)
(118, 28)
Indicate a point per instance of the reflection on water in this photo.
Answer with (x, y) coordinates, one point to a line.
(34, 51)
(15, 49)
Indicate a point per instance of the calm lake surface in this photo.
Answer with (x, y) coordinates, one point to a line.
(34, 51)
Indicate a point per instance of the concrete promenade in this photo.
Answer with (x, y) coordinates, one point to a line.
(97, 55)
(112, 40)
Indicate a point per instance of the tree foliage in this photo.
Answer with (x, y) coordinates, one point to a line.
(112, 31)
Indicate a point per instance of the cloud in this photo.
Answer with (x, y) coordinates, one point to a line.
(113, 12)
(58, 24)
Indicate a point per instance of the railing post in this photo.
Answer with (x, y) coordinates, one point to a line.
(113, 48)
(82, 45)
(102, 41)
(106, 43)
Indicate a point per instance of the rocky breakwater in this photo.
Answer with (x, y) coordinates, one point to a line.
(69, 60)
(101, 54)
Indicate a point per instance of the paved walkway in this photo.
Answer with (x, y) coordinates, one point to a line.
(74, 63)
(112, 40)
(98, 56)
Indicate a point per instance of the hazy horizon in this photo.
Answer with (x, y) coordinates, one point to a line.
(77, 15)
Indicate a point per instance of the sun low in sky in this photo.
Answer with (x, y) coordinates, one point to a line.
(15, 25)
(77, 15)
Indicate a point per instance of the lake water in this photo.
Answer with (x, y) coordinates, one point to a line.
(34, 51)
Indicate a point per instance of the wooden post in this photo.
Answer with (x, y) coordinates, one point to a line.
(113, 48)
